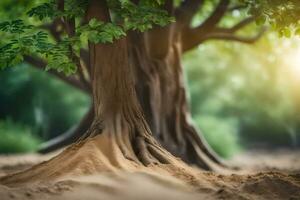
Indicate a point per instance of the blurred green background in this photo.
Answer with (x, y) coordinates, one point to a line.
(246, 96)
(34, 107)
(241, 96)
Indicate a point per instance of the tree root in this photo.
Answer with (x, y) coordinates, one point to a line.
(199, 143)
(101, 153)
(150, 153)
(192, 148)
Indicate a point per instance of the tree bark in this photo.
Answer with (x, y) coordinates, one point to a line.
(161, 92)
(117, 110)
(162, 95)
(154, 58)
(118, 138)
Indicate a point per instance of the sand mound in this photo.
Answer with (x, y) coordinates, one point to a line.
(131, 186)
(105, 174)
(106, 187)
(96, 156)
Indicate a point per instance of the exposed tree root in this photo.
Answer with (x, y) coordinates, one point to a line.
(194, 151)
(161, 93)
(102, 153)
(150, 152)
(198, 151)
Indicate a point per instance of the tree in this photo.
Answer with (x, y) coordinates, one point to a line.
(127, 55)
(164, 123)
(281, 15)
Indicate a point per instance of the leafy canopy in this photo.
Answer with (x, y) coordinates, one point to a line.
(22, 38)
(282, 15)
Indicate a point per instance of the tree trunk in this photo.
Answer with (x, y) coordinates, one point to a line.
(137, 89)
(154, 58)
(119, 137)
(159, 83)
(162, 94)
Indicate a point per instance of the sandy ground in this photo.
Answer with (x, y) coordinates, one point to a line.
(265, 175)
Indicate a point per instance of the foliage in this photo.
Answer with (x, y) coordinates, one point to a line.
(24, 39)
(16, 138)
(100, 32)
(43, 11)
(141, 16)
(282, 15)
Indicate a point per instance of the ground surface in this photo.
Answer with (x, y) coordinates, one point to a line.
(265, 175)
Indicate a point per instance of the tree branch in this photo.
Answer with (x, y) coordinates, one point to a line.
(193, 37)
(169, 6)
(237, 7)
(80, 69)
(233, 37)
(185, 13)
(158, 39)
(98, 9)
(236, 27)
(41, 64)
(85, 56)
(216, 16)
(69, 24)
(71, 80)
(52, 28)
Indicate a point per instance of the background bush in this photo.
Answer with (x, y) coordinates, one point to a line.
(16, 138)
(40, 101)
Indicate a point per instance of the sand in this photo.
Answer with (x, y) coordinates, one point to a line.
(265, 175)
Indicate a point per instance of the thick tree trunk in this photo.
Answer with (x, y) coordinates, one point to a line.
(119, 137)
(162, 94)
(160, 87)
(117, 110)
(154, 58)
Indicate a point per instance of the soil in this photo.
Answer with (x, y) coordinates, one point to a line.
(265, 175)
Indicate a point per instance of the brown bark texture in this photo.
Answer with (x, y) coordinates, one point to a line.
(154, 90)
(159, 84)
(137, 84)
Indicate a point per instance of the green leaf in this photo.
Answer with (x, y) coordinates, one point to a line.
(94, 23)
(43, 11)
(287, 32)
(260, 20)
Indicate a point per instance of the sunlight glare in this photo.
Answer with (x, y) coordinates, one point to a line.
(292, 57)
